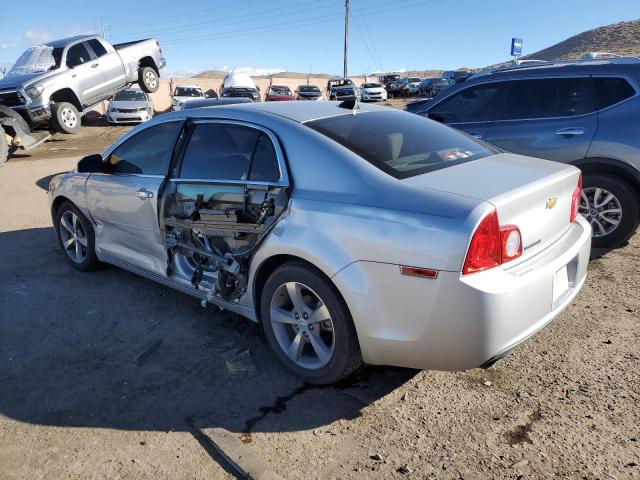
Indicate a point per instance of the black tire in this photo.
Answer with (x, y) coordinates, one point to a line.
(148, 80)
(65, 118)
(4, 147)
(628, 200)
(90, 261)
(346, 356)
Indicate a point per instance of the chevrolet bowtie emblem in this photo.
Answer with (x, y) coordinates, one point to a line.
(551, 203)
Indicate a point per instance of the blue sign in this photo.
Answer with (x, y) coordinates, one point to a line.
(516, 47)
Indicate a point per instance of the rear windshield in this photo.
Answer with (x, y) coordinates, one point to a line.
(308, 88)
(188, 92)
(401, 144)
(279, 91)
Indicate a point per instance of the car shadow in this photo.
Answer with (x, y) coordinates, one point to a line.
(109, 349)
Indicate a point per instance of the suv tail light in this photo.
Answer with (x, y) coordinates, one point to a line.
(158, 46)
(492, 245)
(575, 201)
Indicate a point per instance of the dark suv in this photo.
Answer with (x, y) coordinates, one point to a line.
(585, 113)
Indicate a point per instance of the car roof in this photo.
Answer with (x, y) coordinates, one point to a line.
(63, 42)
(300, 112)
(185, 85)
(598, 65)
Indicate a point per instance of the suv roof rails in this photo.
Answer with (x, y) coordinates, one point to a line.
(600, 55)
(534, 64)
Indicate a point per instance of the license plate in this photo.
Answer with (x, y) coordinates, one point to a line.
(560, 283)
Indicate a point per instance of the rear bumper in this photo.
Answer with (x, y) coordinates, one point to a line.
(454, 322)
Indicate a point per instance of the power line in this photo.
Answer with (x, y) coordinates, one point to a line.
(366, 44)
(256, 14)
(295, 23)
(215, 10)
(373, 43)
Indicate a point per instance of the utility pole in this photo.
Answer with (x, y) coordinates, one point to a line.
(346, 36)
(102, 27)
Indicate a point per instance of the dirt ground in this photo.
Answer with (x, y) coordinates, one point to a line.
(108, 375)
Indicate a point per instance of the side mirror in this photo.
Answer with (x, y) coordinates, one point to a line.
(91, 164)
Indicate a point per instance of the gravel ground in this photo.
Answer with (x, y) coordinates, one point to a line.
(108, 375)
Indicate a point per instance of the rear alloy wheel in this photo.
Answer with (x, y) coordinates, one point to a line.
(75, 235)
(65, 118)
(308, 326)
(610, 206)
(148, 80)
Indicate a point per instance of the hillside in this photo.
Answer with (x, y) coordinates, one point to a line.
(622, 38)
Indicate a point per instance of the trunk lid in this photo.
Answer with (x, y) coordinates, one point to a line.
(533, 194)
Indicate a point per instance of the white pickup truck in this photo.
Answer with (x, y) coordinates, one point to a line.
(62, 79)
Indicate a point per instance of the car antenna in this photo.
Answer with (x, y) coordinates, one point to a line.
(350, 105)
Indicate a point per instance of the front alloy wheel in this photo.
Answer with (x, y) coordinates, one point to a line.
(76, 238)
(73, 237)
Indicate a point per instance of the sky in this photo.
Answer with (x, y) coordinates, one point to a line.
(307, 36)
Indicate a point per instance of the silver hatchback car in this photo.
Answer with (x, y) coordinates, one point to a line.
(353, 233)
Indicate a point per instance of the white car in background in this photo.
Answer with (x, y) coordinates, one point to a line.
(130, 106)
(182, 93)
(373, 92)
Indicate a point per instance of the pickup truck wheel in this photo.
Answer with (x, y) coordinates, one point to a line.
(308, 325)
(610, 205)
(4, 147)
(148, 79)
(65, 118)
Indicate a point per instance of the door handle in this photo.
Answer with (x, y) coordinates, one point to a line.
(476, 135)
(144, 194)
(570, 132)
(95, 65)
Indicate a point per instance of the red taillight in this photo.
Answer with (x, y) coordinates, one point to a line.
(484, 249)
(492, 245)
(158, 45)
(575, 201)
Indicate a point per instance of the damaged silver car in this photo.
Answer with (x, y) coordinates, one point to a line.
(353, 233)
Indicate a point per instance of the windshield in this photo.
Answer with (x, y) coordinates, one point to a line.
(130, 96)
(413, 79)
(401, 144)
(279, 91)
(188, 92)
(340, 83)
(308, 88)
(40, 58)
(371, 85)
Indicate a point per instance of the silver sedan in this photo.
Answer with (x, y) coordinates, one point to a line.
(353, 233)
